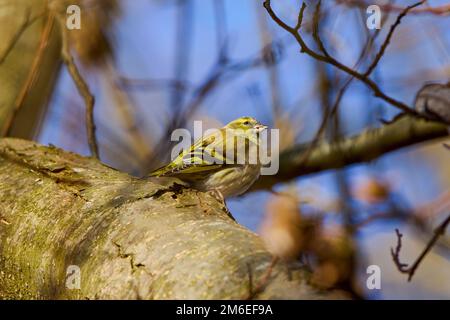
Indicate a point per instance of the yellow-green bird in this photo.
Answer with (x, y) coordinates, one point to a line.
(207, 166)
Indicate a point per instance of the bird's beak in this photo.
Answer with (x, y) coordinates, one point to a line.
(260, 127)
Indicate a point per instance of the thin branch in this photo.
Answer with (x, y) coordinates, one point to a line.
(299, 18)
(262, 283)
(332, 111)
(315, 31)
(330, 60)
(386, 42)
(82, 88)
(403, 267)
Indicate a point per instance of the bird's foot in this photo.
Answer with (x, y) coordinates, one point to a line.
(219, 196)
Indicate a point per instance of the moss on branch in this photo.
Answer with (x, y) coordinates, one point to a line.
(131, 238)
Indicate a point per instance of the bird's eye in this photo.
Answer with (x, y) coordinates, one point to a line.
(246, 123)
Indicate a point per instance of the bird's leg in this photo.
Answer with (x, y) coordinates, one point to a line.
(261, 285)
(219, 196)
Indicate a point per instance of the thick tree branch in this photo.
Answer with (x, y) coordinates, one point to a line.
(364, 147)
(131, 238)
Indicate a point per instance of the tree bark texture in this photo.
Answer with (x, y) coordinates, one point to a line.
(131, 238)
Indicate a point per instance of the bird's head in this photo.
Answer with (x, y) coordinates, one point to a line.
(246, 123)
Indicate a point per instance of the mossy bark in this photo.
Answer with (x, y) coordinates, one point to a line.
(131, 238)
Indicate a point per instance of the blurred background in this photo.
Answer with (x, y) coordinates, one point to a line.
(156, 65)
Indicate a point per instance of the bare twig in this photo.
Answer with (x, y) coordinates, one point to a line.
(294, 31)
(365, 51)
(82, 88)
(403, 267)
(315, 32)
(331, 112)
(386, 42)
(299, 17)
(261, 285)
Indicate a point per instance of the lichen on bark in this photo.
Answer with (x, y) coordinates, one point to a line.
(131, 238)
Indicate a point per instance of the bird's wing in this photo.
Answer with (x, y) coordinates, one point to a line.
(192, 161)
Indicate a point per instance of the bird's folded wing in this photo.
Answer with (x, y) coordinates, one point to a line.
(200, 158)
(197, 168)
